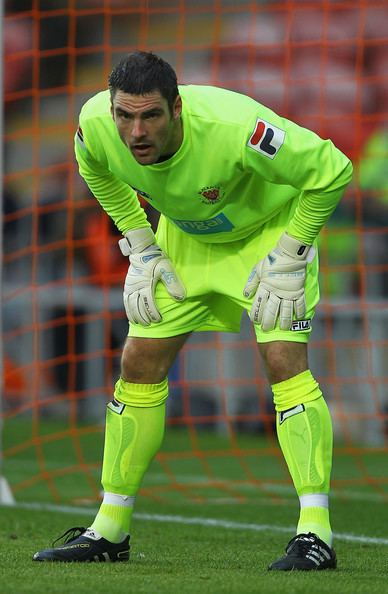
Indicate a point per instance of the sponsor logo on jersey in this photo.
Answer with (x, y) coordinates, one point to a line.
(218, 224)
(266, 138)
(211, 194)
(300, 325)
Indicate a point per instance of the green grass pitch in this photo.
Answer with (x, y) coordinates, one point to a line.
(201, 536)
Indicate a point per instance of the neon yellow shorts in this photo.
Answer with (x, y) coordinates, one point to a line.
(214, 275)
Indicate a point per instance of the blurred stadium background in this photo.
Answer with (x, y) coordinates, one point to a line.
(322, 63)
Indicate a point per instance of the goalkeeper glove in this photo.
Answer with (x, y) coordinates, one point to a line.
(278, 284)
(148, 265)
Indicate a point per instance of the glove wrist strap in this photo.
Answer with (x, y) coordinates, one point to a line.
(293, 247)
(136, 241)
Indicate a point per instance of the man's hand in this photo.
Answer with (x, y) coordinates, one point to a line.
(278, 284)
(148, 265)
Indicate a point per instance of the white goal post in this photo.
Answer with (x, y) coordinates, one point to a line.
(6, 496)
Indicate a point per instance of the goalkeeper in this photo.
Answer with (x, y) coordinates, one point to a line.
(243, 194)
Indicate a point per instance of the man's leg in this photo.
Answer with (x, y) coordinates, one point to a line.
(134, 431)
(305, 435)
(134, 428)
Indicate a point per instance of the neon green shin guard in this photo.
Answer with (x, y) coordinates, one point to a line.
(306, 438)
(135, 422)
(131, 442)
(306, 442)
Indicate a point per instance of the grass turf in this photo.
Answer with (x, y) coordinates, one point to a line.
(171, 557)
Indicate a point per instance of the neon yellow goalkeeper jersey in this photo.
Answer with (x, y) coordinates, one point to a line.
(238, 165)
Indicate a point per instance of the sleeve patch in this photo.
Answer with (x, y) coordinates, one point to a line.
(266, 138)
(80, 137)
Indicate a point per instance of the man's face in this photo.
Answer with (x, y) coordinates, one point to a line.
(146, 125)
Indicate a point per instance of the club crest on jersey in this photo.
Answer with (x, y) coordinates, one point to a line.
(211, 194)
(266, 138)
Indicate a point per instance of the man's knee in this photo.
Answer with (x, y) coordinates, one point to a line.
(148, 360)
(139, 363)
(283, 360)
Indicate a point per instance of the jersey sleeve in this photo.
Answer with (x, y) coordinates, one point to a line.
(118, 199)
(284, 153)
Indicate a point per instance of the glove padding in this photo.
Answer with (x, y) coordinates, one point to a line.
(278, 284)
(147, 267)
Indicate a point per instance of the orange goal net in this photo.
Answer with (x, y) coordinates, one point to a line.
(322, 63)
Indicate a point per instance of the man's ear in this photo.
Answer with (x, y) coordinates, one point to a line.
(177, 110)
(112, 112)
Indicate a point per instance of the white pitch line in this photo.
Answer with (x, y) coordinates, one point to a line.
(212, 522)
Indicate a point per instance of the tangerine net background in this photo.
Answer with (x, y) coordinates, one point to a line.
(321, 63)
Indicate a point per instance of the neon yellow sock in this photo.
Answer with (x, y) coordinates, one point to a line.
(306, 438)
(114, 518)
(316, 520)
(133, 436)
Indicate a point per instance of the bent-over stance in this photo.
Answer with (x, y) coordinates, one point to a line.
(243, 194)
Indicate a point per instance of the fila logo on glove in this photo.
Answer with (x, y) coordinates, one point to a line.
(266, 138)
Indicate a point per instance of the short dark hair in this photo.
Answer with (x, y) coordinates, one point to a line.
(140, 73)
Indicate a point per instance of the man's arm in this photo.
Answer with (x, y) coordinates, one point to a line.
(299, 158)
(316, 205)
(117, 198)
(148, 264)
